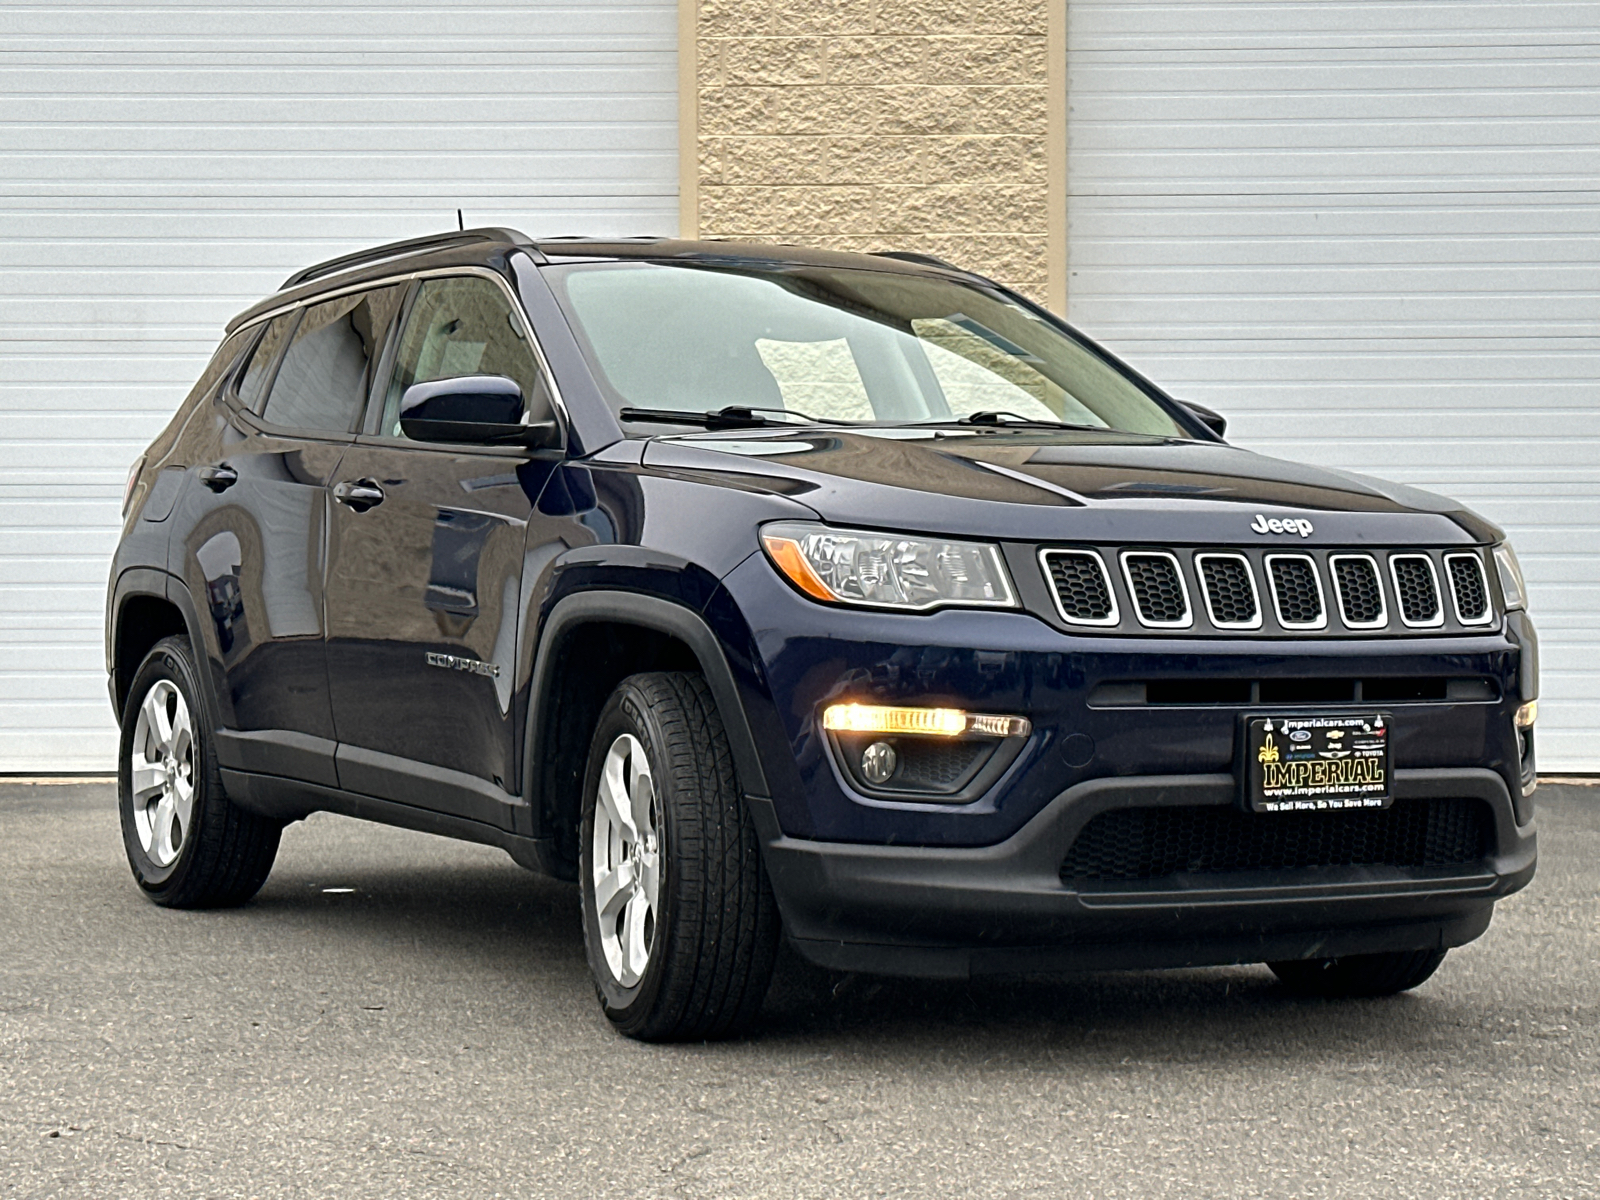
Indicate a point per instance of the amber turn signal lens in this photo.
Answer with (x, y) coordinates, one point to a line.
(929, 722)
(1527, 715)
(786, 554)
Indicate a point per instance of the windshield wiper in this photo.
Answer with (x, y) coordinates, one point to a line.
(1001, 417)
(732, 416)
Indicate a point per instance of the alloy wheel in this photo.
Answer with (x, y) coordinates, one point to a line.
(627, 860)
(161, 770)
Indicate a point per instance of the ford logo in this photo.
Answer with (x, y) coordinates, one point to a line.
(1300, 735)
(1293, 525)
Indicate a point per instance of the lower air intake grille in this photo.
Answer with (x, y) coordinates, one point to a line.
(1415, 586)
(1466, 581)
(1226, 578)
(1294, 584)
(1360, 593)
(1152, 843)
(1082, 588)
(1157, 588)
(934, 762)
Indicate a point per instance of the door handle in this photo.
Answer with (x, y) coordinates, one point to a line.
(218, 479)
(358, 494)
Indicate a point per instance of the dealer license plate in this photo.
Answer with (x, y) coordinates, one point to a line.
(1302, 764)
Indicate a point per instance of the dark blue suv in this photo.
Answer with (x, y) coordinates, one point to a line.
(852, 599)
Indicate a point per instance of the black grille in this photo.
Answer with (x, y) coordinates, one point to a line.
(1360, 593)
(1081, 585)
(1413, 583)
(1157, 588)
(1466, 580)
(1152, 843)
(1227, 583)
(935, 762)
(1294, 582)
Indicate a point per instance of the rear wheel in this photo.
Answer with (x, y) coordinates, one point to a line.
(189, 847)
(679, 921)
(1358, 975)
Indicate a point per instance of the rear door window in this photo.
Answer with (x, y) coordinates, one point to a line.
(254, 381)
(327, 370)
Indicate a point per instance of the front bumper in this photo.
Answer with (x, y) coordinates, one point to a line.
(936, 911)
(793, 657)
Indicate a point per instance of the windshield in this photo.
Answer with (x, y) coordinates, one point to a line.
(837, 344)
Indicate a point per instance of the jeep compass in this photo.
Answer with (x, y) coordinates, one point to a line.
(768, 593)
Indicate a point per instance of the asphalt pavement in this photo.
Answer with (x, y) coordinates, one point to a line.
(403, 1016)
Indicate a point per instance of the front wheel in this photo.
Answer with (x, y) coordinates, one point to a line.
(678, 917)
(1359, 975)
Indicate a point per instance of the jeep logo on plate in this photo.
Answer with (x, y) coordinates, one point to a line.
(1294, 525)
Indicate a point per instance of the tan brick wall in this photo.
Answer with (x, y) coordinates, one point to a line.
(875, 125)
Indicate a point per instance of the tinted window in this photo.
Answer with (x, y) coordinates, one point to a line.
(463, 326)
(262, 358)
(327, 370)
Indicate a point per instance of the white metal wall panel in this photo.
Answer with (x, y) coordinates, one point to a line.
(164, 165)
(1367, 232)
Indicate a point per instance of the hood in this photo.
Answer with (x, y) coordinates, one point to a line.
(1047, 485)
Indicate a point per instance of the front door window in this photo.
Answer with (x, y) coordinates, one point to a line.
(463, 325)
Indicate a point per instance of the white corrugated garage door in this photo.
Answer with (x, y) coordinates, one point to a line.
(1368, 233)
(162, 166)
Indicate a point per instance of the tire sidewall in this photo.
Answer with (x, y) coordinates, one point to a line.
(168, 661)
(628, 712)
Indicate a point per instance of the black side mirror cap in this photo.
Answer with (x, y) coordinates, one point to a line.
(1214, 421)
(475, 410)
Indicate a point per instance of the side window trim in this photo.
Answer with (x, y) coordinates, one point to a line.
(372, 414)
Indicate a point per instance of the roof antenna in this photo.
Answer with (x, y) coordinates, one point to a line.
(461, 225)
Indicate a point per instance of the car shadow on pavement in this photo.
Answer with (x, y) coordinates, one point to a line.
(499, 921)
(489, 916)
(1134, 1012)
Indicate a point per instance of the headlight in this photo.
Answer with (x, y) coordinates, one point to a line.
(886, 570)
(1513, 591)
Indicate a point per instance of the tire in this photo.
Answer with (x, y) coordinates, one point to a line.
(1359, 975)
(189, 847)
(686, 952)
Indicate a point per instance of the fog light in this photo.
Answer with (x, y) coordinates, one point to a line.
(878, 762)
(1527, 715)
(932, 722)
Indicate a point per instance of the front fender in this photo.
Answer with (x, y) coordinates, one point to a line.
(664, 616)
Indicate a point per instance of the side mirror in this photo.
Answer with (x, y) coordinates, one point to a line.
(478, 410)
(1214, 421)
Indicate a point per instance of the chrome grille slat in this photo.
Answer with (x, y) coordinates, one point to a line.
(1469, 589)
(1297, 591)
(1416, 589)
(1359, 586)
(1229, 584)
(1155, 581)
(1081, 586)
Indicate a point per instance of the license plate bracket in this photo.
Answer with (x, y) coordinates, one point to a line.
(1316, 762)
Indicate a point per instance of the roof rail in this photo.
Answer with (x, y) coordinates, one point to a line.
(433, 241)
(926, 260)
